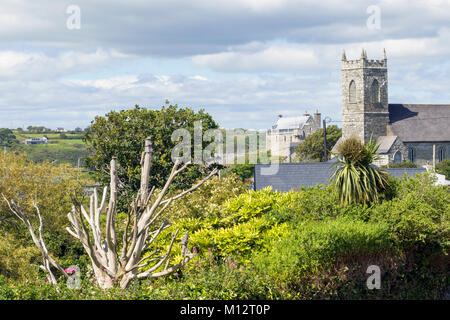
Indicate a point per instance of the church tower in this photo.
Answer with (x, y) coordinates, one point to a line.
(364, 97)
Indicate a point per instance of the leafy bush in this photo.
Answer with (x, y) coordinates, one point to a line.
(17, 262)
(240, 240)
(24, 182)
(213, 278)
(420, 214)
(312, 247)
(208, 200)
(444, 168)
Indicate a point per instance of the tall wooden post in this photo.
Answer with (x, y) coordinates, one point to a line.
(434, 157)
(325, 152)
(145, 168)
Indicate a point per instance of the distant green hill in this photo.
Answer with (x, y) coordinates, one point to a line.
(66, 148)
(69, 147)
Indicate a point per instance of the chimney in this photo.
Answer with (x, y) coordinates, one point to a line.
(317, 119)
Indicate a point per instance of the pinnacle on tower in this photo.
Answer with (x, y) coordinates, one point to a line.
(384, 54)
(344, 57)
(363, 54)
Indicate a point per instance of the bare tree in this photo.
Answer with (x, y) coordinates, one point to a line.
(144, 224)
(38, 240)
(113, 261)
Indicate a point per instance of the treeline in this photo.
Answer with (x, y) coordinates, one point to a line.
(43, 130)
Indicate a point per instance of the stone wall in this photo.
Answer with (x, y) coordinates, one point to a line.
(424, 151)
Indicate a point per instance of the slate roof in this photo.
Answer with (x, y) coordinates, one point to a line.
(385, 143)
(334, 149)
(296, 175)
(420, 122)
(291, 122)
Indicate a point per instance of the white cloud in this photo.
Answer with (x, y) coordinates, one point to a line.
(266, 57)
(37, 65)
(256, 57)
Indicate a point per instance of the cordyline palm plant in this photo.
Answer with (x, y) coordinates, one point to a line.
(355, 179)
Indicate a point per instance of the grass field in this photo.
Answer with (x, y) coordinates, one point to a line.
(67, 150)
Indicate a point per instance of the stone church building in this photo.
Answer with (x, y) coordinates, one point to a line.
(289, 132)
(419, 133)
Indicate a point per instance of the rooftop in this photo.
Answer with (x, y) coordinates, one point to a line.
(297, 175)
(420, 122)
(290, 122)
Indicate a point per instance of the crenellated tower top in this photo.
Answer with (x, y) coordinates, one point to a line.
(363, 62)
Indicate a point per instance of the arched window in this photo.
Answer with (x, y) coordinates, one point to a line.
(441, 154)
(412, 154)
(352, 92)
(375, 92)
(397, 157)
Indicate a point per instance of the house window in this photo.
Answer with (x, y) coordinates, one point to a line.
(397, 157)
(352, 92)
(412, 154)
(441, 154)
(375, 91)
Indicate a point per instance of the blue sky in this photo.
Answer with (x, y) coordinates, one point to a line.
(244, 61)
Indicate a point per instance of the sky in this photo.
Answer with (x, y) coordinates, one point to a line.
(244, 61)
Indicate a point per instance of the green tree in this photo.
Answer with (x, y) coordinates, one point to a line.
(312, 148)
(444, 168)
(7, 138)
(354, 179)
(121, 134)
(244, 171)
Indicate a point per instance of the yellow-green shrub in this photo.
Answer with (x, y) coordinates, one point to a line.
(17, 262)
(208, 200)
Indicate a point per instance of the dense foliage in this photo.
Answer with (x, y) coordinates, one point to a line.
(444, 168)
(122, 134)
(312, 148)
(271, 245)
(7, 138)
(24, 182)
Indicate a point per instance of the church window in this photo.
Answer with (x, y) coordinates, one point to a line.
(352, 92)
(397, 157)
(375, 91)
(441, 154)
(412, 154)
